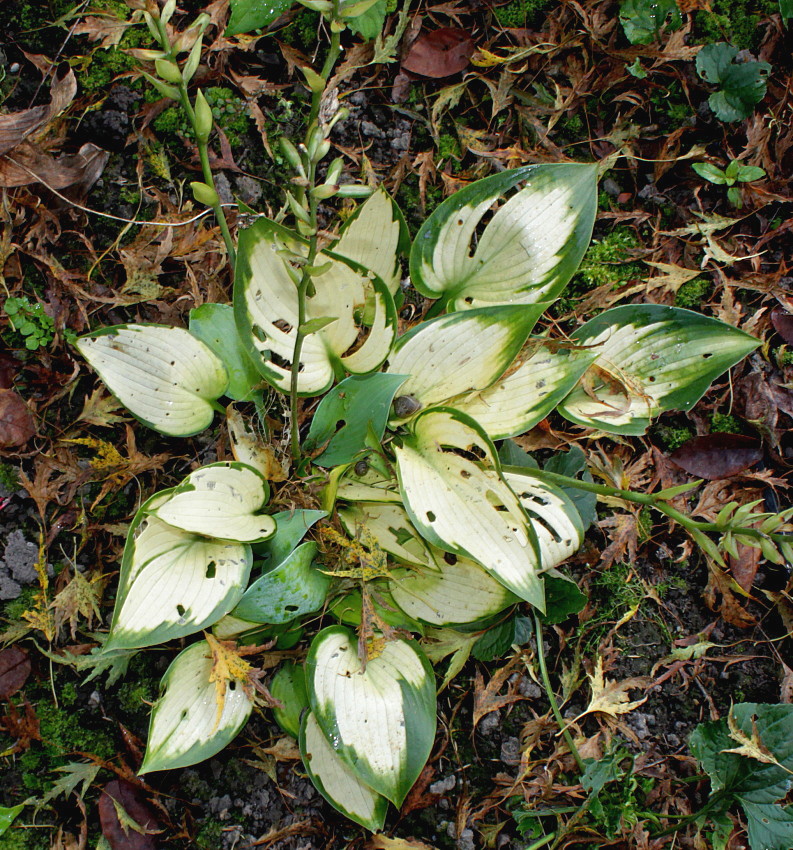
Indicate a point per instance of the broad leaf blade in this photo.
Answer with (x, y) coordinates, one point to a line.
(650, 359)
(220, 500)
(390, 526)
(289, 590)
(174, 583)
(248, 15)
(463, 507)
(288, 686)
(461, 352)
(379, 720)
(337, 783)
(185, 728)
(164, 376)
(529, 250)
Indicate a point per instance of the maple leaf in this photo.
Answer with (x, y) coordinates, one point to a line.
(228, 665)
(752, 747)
(364, 555)
(80, 598)
(610, 697)
(40, 617)
(100, 409)
(487, 698)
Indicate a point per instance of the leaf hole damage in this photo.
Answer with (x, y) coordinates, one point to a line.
(431, 516)
(180, 609)
(211, 570)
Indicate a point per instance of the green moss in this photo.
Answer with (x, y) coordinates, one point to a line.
(784, 356)
(210, 835)
(24, 602)
(671, 105)
(448, 147)
(723, 423)
(9, 477)
(673, 437)
(19, 838)
(606, 260)
(693, 292)
(228, 111)
(135, 697)
(98, 69)
(645, 523)
(735, 21)
(521, 13)
(302, 31)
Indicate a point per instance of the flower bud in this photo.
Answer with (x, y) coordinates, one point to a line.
(321, 193)
(191, 66)
(205, 194)
(203, 118)
(292, 155)
(354, 190)
(334, 171)
(168, 71)
(167, 11)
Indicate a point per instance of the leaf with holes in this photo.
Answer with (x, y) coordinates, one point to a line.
(380, 720)
(164, 376)
(459, 353)
(529, 390)
(650, 359)
(528, 251)
(184, 727)
(390, 526)
(464, 507)
(266, 309)
(173, 582)
(289, 590)
(337, 783)
(219, 500)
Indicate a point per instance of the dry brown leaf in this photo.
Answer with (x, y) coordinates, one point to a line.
(486, 697)
(78, 600)
(27, 164)
(611, 697)
(16, 421)
(383, 842)
(100, 409)
(721, 594)
(624, 539)
(105, 28)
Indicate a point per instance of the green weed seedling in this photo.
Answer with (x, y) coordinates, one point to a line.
(421, 523)
(32, 323)
(735, 172)
(741, 85)
(643, 20)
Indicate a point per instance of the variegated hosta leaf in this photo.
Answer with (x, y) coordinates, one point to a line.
(651, 358)
(369, 486)
(556, 521)
(266, 309)
(379, 720)
(464, 507)
(185, 728)
(529, 250)
(220, 500)
(458, 592)
(390, 526)
(527, 392)
(174, 583)
(374, 236)
(460, 352)
(336, 781)
(164, 376)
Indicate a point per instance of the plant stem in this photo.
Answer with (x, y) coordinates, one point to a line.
(714, 801)
(552, 696)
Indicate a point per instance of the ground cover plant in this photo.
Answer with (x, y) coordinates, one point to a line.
(393, 488)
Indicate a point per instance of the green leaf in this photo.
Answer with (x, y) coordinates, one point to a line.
(742, 85)
(214, 325)
(562, 598)
(248, 15)
(347, 412)
(369, 24)
(266, 311)
(511, 454)
(8, 815)
(529, 250)
(786, 10)
(348, 609)
(460, 353)
(219, 500)
(572, 463)
(464, 507)
(636, 69)
(314, 325)
(173, 583)
(650, 359)
(290, 528)
(337, 783)
(496, 641)
(380, 720)
(748, 173)
(291, 589)
(390, 526)
(185, 728)
(769, 825)
(643, 20)
(164, 376)
(288, 686)
(709, 172)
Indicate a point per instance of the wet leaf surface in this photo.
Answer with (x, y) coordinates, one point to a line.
(439, 53)
(717, 455)
(783, 324)
(128, 820)
(14, 670)
(16, 421)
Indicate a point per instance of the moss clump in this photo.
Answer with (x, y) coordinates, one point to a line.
(99, 68)
(448, 147)
(735, 21)
(228, 111)
(673, 437)
(693, 292)
(24, 602)
(606, 261)
(521, 13)
(9, 477)
(302, 32)
(19, 838)
(723, 423)
(672, 106)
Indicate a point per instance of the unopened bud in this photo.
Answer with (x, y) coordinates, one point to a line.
(292, 155)
(167, 11)
(191, 66)
(205, 194)
(354, 190)
(203, 118)
(334, 170)
(321, 193)
(168, 71)
(299, 212)
(322, 150)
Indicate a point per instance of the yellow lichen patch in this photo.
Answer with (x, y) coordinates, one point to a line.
(363, 557)
(227, 666)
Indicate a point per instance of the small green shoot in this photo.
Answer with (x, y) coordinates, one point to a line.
(735, 172)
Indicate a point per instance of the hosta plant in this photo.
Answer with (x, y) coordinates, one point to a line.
(411, 515)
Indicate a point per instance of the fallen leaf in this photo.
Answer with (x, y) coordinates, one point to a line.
(486, 697)
(383, 842)
(14, 670)
(100, 409)
(717, 456)
(79, 599)
(108, 29)
(439, 53)
(786, 686)
(16, 421)
(22, 728)
(127, 818)
(783, 324)
(27, 164)
(721, 594)
(610, 697)
(744, 568)
(751, 747)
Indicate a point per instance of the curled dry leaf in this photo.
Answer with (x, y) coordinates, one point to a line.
(16, 421)
(28, 164)
(439, 53)
(717, 455)
(14, 670)
(783, 324)
(128, 820)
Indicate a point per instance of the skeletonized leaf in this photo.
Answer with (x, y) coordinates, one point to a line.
(184, 727)
(164, 376)
(460, 352)
(379, 720)
(650, 359)
(464, 508)
(336, 782)
(529, 250)
(220, 500)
